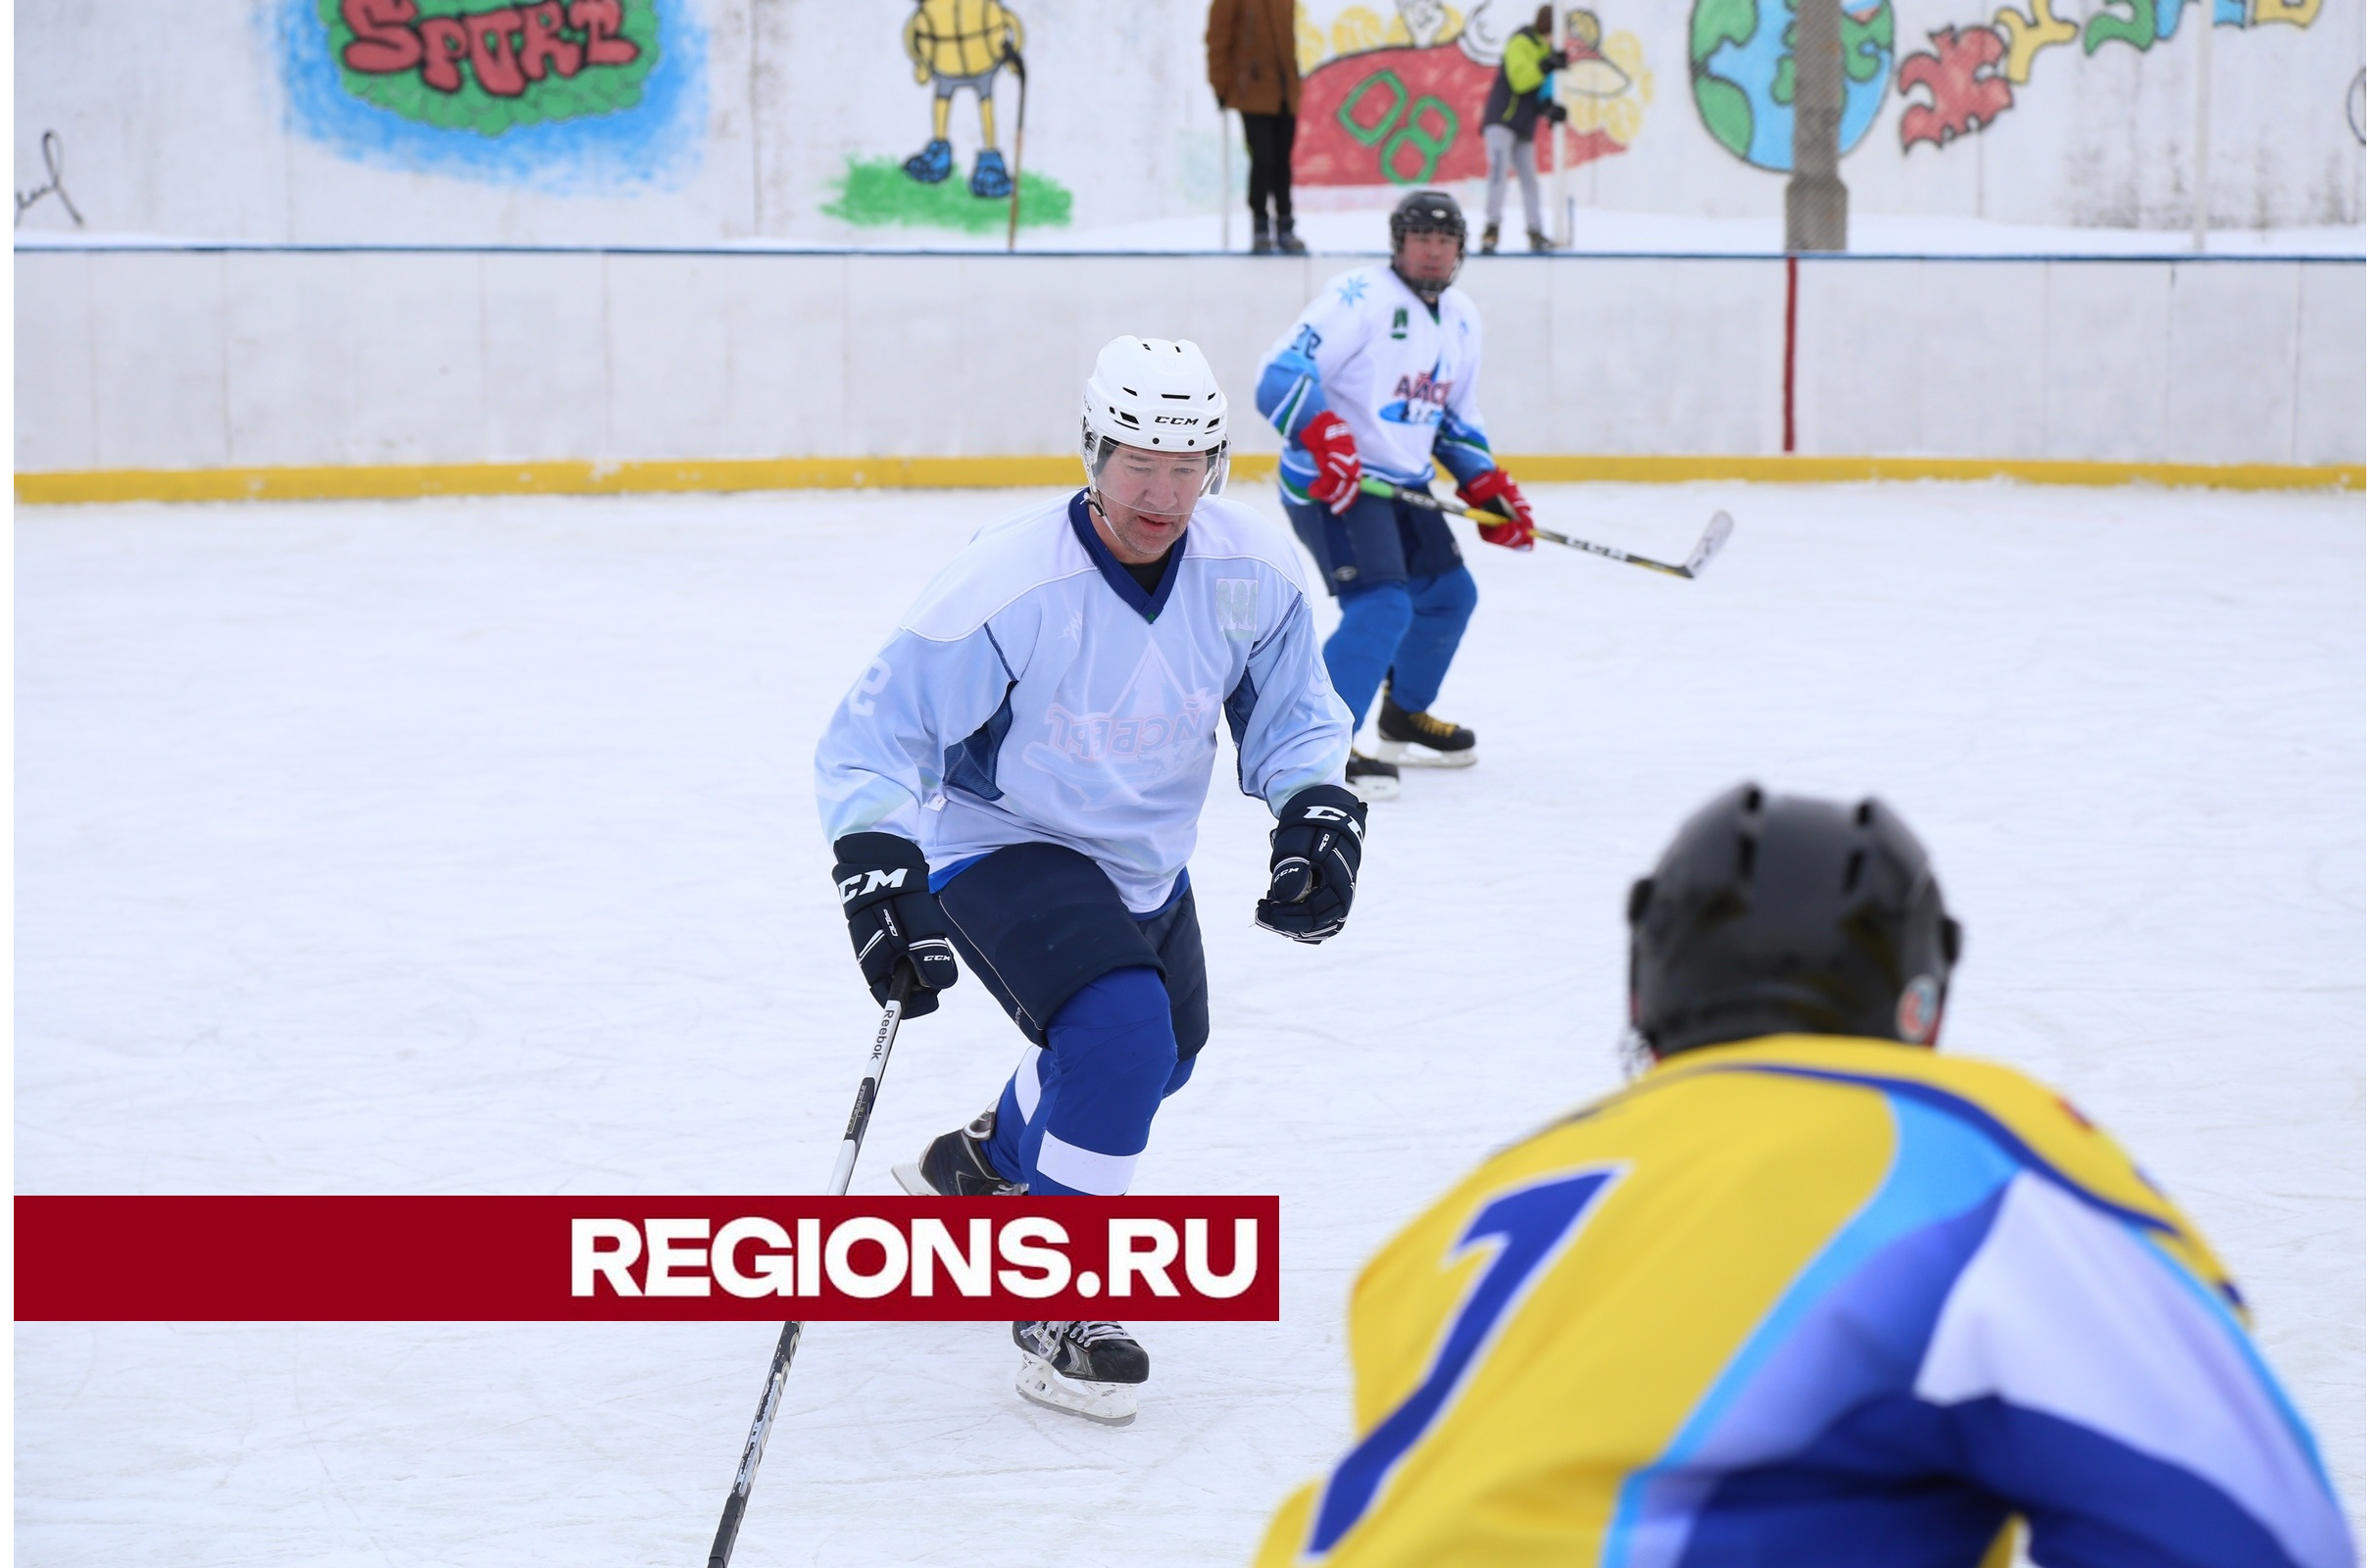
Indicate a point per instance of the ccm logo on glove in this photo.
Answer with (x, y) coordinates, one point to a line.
(873, 882)
(895, 919)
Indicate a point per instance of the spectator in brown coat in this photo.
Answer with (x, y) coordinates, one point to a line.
(1250, 56)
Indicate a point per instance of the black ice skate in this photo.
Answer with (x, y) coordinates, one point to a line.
(1371, 779)
(957, 1165)
(1085, 1369)
(1422, 740)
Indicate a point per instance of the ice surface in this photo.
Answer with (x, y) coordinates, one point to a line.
(466, 846)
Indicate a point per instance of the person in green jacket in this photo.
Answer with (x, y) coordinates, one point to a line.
(1519, 97)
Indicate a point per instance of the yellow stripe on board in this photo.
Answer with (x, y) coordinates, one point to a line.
(963, 474)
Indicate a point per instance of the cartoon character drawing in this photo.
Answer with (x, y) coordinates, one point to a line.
(1426, 22)
(961, 44)
(1591, 74)
(1485, 35)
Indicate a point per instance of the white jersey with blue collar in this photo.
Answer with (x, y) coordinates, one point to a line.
(1403, 377)
(1037, 694)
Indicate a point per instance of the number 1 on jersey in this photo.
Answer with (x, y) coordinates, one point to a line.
(1529, 1224)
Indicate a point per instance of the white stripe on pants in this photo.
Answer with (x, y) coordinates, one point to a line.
(1503, 151)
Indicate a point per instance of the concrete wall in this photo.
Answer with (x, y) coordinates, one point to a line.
(180, 359)
(238, 121)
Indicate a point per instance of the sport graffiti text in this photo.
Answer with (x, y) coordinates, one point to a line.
(507, 48)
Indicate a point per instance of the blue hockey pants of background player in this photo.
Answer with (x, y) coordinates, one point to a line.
(1410, 627)
(1396, 572)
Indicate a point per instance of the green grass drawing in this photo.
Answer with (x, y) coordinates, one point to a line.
(877, 192)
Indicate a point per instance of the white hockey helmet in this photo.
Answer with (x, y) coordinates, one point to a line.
(1157, 395)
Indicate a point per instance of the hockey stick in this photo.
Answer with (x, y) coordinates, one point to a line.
(1022, 103)
(730, 1524)
(1718, 530)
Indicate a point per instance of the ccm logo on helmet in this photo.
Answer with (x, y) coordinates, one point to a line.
(865, 882)
(1176, 418)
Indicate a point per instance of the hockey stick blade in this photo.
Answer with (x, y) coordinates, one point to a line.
(1710, 545)
(1718, 530)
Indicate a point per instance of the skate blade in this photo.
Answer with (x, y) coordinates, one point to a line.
(1375, 788)
(1409, 754)
(910, 1177)
(1110, 1405)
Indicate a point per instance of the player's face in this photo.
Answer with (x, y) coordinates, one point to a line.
(1147, 498)
(1428, 260)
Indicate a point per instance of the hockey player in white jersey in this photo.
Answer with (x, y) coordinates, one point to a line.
(1378, 376)
(1018, 775)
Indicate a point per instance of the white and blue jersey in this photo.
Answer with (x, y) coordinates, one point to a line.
(1037, 694)
(1403, 377)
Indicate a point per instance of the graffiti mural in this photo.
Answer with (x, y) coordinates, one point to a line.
(1970, 73)
(1744, 73)
(1401, 102)
(954, 45)
(1967, 89)
(490, 70)
(569, 95)
(53, 163)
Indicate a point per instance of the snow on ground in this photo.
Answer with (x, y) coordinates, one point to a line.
(468, 847)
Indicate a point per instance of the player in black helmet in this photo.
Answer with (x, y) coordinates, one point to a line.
(1809, 1291)
(1377, 378)
(1779, 915)
(1428, 269)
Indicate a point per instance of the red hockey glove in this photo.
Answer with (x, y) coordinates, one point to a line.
(1329, 441)
(1496, 491)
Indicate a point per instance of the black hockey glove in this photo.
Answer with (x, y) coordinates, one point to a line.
(894, 918)
(1315, 861)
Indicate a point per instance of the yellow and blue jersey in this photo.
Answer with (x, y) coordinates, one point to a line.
(1810, 1300)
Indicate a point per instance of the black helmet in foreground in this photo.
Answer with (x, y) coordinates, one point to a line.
(1783, 915)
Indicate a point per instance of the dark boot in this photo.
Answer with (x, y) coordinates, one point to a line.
(1288, 243)
(958, 1164)
(1084, 1369)
(1371, 779)
(1422, 739)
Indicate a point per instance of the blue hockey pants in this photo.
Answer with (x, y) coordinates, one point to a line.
(1073, 1119)
(1412, 627)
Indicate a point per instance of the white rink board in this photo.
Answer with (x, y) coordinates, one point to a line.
(468, 847)
(179, 360)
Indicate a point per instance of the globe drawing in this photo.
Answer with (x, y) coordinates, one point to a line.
(1744, 73)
